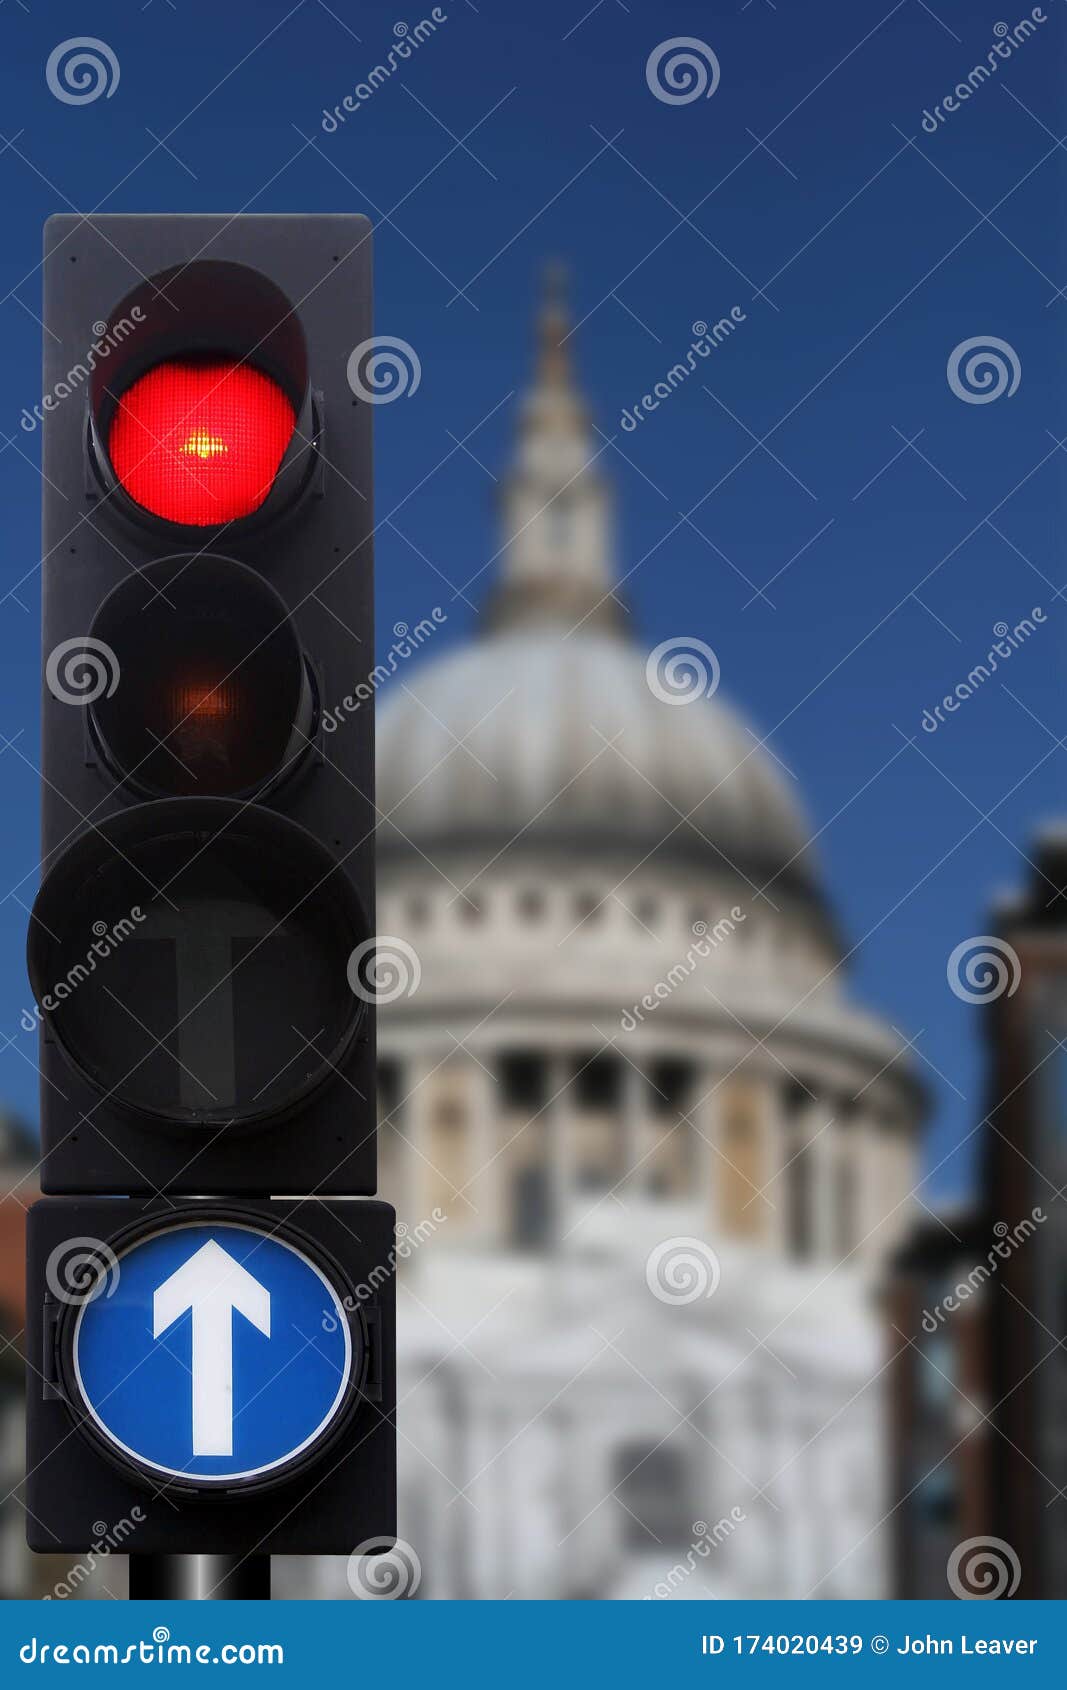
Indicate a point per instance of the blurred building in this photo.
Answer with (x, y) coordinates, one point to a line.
(629, 1045)
(18, 1188)
(940, 1396)
(980, 1431)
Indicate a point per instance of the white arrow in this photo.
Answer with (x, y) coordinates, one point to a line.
(211, 1285)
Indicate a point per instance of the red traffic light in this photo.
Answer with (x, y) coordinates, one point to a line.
(198, 441)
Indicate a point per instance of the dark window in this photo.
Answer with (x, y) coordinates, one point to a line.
(531, 1223)
(937, 1498)
(597, 1083)
(531, 904)
(522, 1081)
(645, 912)
(799, 1196)
(670, 1083)
(588, 908)
(651, 1483)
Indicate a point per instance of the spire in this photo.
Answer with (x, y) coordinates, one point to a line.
(553, 327)
(557, 564)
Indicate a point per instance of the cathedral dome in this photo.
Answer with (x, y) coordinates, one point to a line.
(555, 727)
(563, 738)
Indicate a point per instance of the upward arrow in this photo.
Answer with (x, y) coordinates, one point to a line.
(211, 1285)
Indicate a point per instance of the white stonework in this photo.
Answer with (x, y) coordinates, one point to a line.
(558, 839)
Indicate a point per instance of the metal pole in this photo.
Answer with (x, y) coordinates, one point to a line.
(200, 1578)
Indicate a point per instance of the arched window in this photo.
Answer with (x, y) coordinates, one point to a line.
(531, 903)
(418, 911)
(588, 908)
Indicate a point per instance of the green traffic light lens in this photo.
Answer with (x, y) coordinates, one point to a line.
(190, 958)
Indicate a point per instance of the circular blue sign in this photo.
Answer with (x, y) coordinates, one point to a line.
(213, 1351)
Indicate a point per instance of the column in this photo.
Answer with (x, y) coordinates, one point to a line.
(556, 1123)
(484, 1175)
(819, 1131)
(634, 1142)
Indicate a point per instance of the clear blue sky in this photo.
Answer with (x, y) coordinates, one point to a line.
(874, 259)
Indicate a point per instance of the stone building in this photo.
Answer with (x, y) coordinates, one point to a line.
(620, 1069)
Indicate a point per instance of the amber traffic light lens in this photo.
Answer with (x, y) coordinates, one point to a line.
(213, 697)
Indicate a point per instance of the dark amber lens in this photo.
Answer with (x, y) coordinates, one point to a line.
(212, 698)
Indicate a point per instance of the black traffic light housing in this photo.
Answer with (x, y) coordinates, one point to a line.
(207, 849)
(199, 947)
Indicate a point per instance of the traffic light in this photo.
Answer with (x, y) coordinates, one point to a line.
(207, 850)
(210, 1314)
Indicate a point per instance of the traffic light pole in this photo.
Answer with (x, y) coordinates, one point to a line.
(200, 1578)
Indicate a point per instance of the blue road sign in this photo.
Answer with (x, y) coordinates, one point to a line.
(213, 1351)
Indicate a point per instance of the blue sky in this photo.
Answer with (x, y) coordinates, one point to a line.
(806, 192)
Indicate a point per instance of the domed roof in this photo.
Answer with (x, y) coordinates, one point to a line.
(531, 733)
(547, 727)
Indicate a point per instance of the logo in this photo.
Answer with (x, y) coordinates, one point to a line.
(385, 968)
(81, 69)
(682, 70)
(383, 369)
(981, 369)
(682, 1270)
(984, 968)
(982, 1569)
(81, 670)
(395, 1571)
(681, 670)
(77, 1268)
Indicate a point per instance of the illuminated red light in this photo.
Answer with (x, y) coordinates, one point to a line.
(199, 442)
